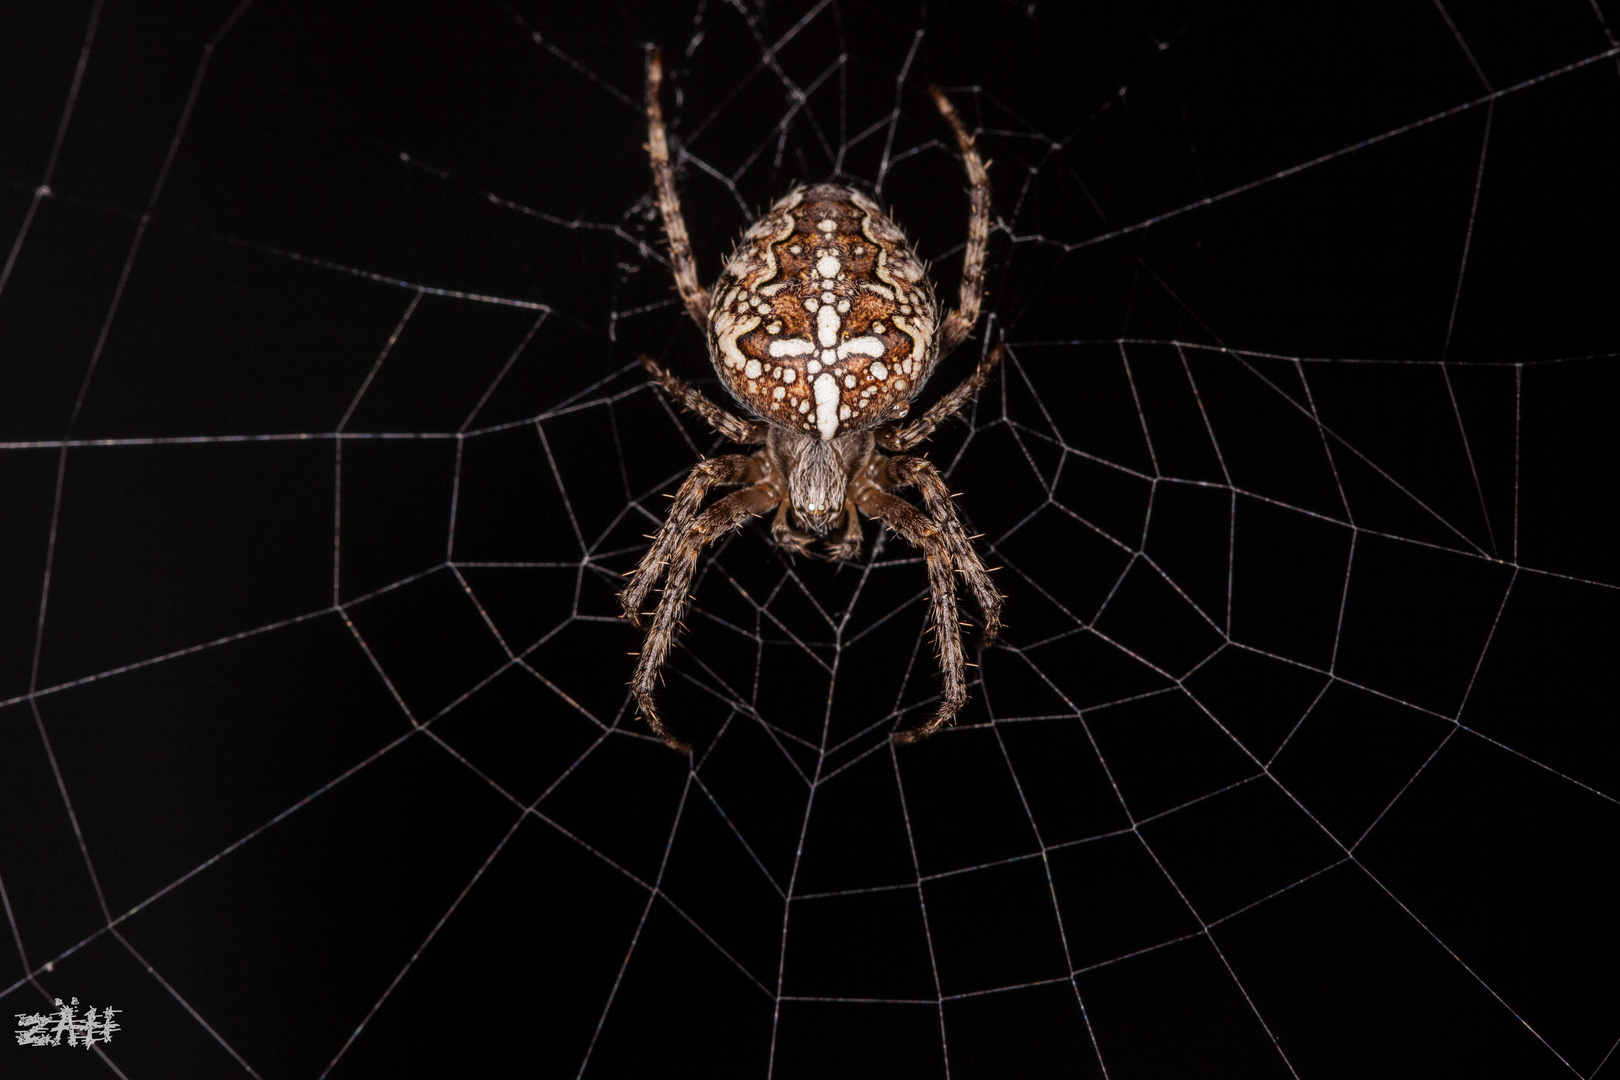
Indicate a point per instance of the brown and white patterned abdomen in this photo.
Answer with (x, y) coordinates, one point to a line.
(823, 320)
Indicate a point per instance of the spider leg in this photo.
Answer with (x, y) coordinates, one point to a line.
(727, 469)
(694, 295)
(916, 527)
(897, 437)
(959, 323)
(708, 527)
(735, 428)
(908, 471)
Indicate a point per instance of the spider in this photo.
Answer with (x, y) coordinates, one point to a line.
(823, 327)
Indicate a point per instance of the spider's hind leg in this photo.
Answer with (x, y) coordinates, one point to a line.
(681, 260)
(959, 323)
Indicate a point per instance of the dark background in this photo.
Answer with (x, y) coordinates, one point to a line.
(323, 446)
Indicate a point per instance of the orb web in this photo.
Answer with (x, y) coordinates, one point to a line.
(325, 448)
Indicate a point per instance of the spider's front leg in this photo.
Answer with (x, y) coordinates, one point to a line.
(695, 534)
(947, 551)
(916, 527)
(909, 471)
(707, 475)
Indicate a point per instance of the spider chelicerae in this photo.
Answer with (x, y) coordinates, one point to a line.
(823, 327)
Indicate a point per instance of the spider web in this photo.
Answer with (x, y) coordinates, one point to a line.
(324, 449)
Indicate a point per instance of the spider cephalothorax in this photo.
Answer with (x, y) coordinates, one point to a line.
(824, 328)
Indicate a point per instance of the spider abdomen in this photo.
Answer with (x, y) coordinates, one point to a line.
(824, 320)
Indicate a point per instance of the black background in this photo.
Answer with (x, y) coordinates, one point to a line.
(322, 446)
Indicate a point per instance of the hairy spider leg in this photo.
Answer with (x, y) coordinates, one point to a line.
(708, 527)
(907, 471)
(959, 323)
(898, 437)
(922, 532)
(707, 475)
(693, 294)
(733, 427)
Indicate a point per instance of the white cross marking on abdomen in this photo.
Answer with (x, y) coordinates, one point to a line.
(828, 323)
(861, 346)
(794, 346)
(826, 405)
